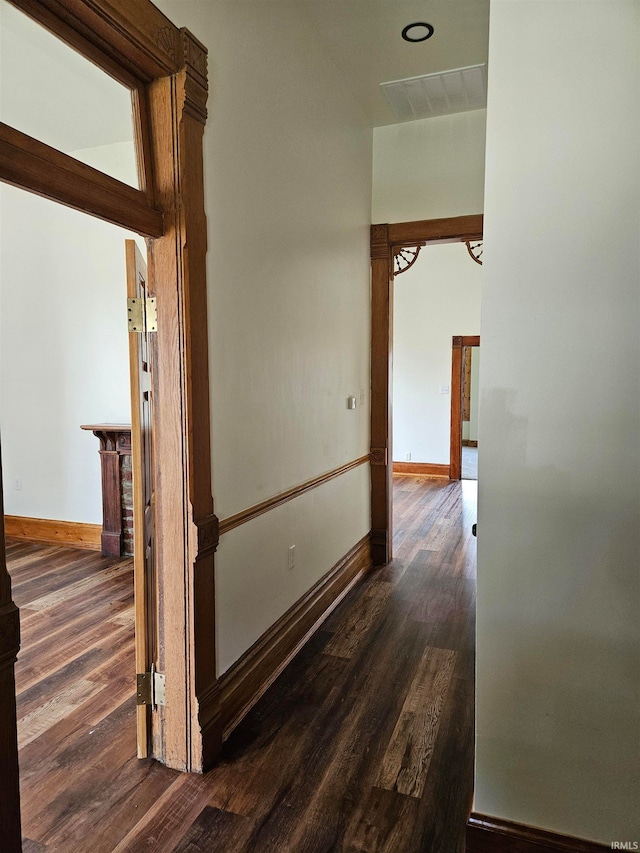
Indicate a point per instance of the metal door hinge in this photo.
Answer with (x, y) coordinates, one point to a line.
(151, 688)
(142, 315)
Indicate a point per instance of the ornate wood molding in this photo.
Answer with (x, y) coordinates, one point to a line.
(208, 535)
(404, 257)
(115, 441)
(194, 58)
(380, 242)
(475, 249)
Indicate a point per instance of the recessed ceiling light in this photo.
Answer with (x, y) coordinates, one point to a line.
(419, 31)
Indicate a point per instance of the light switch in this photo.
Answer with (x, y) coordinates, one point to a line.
(351, 402)
(444, 389)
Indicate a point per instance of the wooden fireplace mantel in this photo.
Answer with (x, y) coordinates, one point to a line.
(115, 441)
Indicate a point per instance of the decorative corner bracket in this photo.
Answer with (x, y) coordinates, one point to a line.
(475, 249)
(405, 257)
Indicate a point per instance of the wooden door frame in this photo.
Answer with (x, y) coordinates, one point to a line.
(459, 342)
(166, 69)
(386, 239)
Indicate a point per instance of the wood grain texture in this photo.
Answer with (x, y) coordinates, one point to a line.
(381, 394)
(426, 469)
(73, 533)
(302, 770)
(493, 835)
(187, 528)
(233, 521)
(357, 622)
(406, 762)
(31, 165)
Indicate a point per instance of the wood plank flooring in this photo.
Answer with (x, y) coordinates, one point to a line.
(363, 745)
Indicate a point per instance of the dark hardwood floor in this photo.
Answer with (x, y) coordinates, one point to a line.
(364, 743)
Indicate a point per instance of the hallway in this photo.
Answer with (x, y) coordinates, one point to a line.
(363, 744)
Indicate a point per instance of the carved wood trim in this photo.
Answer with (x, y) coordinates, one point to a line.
(404, 257)
(380, 242)
(208, 535)
(476, 251)
(378, 455)
(239, 518)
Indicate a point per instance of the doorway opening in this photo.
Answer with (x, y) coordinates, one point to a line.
(465, 364)
(386, 242)
(164, 70)
(65, 362)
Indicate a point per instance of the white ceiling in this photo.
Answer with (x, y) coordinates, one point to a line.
(79, 106)
(364, 38)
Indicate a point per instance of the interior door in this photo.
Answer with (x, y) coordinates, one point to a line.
(142, 362)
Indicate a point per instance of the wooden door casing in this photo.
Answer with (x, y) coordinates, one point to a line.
(385, 240)
(166, 69)
(459, 344)
(142, 368)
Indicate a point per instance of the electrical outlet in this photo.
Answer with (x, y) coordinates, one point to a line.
(407, 457)
(17, 484)
(444, 389)
(292, 557)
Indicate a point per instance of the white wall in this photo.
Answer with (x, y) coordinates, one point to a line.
(558, 550)
(437, 298)
(288, 200)
(63, 350)
(429, 168)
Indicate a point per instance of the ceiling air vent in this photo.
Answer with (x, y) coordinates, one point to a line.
(446, 92)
